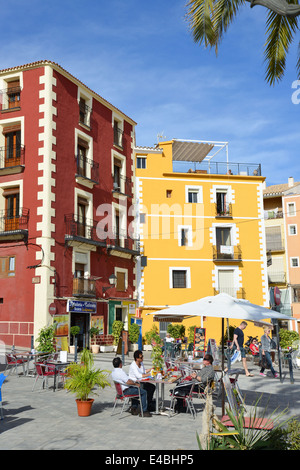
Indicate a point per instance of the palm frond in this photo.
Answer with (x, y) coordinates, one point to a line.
(281, 31)
(209, 19)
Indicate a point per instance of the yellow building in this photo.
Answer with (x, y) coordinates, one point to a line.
(201, 230)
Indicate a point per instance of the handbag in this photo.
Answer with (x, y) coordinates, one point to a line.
(264, 363)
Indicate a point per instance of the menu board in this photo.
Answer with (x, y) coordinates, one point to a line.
(199, 340)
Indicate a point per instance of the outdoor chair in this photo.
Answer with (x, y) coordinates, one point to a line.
(14, 361)
(43, 372)
(2, 378)
(124, 398)
(188, 397)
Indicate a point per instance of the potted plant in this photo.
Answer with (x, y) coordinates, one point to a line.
(74, 331)
(94, 331)
(156, 355)
(117, 328)
(81, 380)
(149, 335)
(46, 340)
(134, 333)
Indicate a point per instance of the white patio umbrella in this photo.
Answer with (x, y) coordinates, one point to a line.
(222, 306)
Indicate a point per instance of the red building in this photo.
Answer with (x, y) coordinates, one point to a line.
(66, 186)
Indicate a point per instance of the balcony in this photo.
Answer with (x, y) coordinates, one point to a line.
(87, 171)
(276, 277)
(14, 227)
(224, 211)
(120, 244)
(236, 292)
(122, 185)
(227, 253)
(84, 287)
(218, 168)
(12, 159)
(11, 99)
(80, 231)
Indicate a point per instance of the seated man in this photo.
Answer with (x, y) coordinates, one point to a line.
(130, 387)
(137, 371)
(204, 376)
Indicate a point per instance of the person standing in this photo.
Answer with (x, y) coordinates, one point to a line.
(238, 343)
(266, 342)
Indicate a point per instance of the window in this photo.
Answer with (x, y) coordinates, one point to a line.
(292, 229)
(12, 208)
(274, 239)
(141, 162)
(82, 149)
(12, 135)
(291, 209)
(193, 194)
(184, 235)
(121, 280)
(84, 112)
(13, 94)
(118, 133)
(117, 174)
(7, 266)
(169, 193)
(180, 278)
(82, 205)
(296, 294)
(294, 262)
(142, 218)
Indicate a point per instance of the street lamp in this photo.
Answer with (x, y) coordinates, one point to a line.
(112, 280)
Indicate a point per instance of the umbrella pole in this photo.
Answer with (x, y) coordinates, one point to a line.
(278, 351)
(223, 394)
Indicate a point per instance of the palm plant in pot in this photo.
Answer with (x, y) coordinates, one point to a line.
(82, 379)
(94, 331)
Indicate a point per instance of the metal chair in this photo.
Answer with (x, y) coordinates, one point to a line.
(12, 360)
(188, 397)
(125, 397)
(43, 372)
(2, 378)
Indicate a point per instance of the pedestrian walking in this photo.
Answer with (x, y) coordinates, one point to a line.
(266, 346)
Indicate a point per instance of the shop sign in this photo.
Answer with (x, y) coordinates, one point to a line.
(81, 306)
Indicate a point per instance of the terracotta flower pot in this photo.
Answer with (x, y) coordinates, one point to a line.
(95, 348)
(84, 407)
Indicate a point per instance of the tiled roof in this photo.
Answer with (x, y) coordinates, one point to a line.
(277, 189)
(41, 63)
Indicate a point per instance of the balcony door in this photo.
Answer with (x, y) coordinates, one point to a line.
(12, 209)
(82, 205)
(223, 239)
(226, 282)
(12, 148)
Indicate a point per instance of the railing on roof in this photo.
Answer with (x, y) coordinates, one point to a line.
(217, 168)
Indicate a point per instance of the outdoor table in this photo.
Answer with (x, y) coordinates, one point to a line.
(157, 382)
(30, 356)
(57, 366)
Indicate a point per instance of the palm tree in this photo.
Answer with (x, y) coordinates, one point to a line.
(209, 20)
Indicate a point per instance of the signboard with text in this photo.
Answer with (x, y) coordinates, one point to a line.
(81, 306)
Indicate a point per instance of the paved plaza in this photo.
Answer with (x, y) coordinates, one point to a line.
(47, 420)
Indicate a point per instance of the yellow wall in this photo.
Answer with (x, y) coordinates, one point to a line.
(159, 237)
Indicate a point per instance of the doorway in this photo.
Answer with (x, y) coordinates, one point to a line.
(83, 321)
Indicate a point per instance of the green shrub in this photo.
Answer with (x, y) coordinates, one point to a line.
(134, 333)
(46, 339)
(287, 338)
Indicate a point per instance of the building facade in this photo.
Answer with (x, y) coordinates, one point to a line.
(201, 229)
(280, 218)
(66, 181)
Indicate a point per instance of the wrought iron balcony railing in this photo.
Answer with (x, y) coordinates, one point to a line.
(227, 253)
(11, 98)
(84, 287)
(12, 156)
(87, 168)
(123, 185)
(10, 222)
(236, 292)
(223, 210)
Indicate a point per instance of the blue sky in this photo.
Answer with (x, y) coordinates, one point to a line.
(141, 57)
